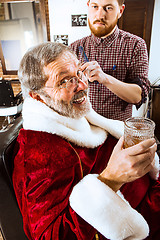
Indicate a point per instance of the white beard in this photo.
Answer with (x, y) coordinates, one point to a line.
(85, 131)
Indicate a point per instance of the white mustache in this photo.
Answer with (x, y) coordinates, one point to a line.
(80, 95)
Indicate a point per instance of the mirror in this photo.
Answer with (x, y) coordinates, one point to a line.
(22, 26)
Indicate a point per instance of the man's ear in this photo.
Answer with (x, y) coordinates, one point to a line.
(121, 10)
(36, 96)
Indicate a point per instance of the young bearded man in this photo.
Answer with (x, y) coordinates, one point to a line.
(68, 166)
(118, 62)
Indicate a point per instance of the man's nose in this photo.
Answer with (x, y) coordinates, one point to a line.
(100, 13)
(81, 85)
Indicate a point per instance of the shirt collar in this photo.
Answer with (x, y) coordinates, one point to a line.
(108, 40)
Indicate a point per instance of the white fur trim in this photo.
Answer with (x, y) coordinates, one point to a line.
(37, 116)
(114, 127)
(89, 131)
(107, 211)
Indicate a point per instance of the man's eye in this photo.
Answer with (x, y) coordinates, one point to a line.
(64, 81)
(79, 73)
(94, 6)
(108, 8)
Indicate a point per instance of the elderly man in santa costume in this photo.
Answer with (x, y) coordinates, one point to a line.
(72, 177)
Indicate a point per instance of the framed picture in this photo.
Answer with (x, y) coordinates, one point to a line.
(61, 39)
(79, 20)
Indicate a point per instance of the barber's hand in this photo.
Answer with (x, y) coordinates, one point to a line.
(94, 72)
(127, 165)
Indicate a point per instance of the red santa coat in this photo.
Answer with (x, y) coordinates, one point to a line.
(47, 167)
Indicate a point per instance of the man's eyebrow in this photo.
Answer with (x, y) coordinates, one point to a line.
(66, 72)
(109, 4)
(62, 73)
(94, 3)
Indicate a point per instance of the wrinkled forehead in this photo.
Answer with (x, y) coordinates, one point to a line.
(67, 63)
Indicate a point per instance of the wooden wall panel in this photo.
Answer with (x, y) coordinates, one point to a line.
(137, 18)
(47, 19)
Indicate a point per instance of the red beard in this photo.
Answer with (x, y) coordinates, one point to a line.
(104, 30)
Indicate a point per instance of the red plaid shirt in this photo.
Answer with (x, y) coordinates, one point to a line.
(122, 55)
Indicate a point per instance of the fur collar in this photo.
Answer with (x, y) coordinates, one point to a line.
(89, 131)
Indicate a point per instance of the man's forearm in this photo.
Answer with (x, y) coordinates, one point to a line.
(130, 93)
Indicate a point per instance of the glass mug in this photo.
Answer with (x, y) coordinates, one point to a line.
(137, 129)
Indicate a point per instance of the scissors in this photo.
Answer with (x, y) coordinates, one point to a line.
(85, 58)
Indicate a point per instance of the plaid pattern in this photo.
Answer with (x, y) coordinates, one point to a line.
(122, 55)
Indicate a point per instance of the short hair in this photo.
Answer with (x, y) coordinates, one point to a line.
(31, 71)
(120, 2)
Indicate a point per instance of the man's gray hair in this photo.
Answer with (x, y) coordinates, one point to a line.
(31, 71)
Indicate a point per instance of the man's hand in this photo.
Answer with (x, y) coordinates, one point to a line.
(127, 165)
(130, 93)
(94, 72)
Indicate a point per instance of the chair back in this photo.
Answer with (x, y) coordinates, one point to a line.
(11, 224)
(6, 94)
